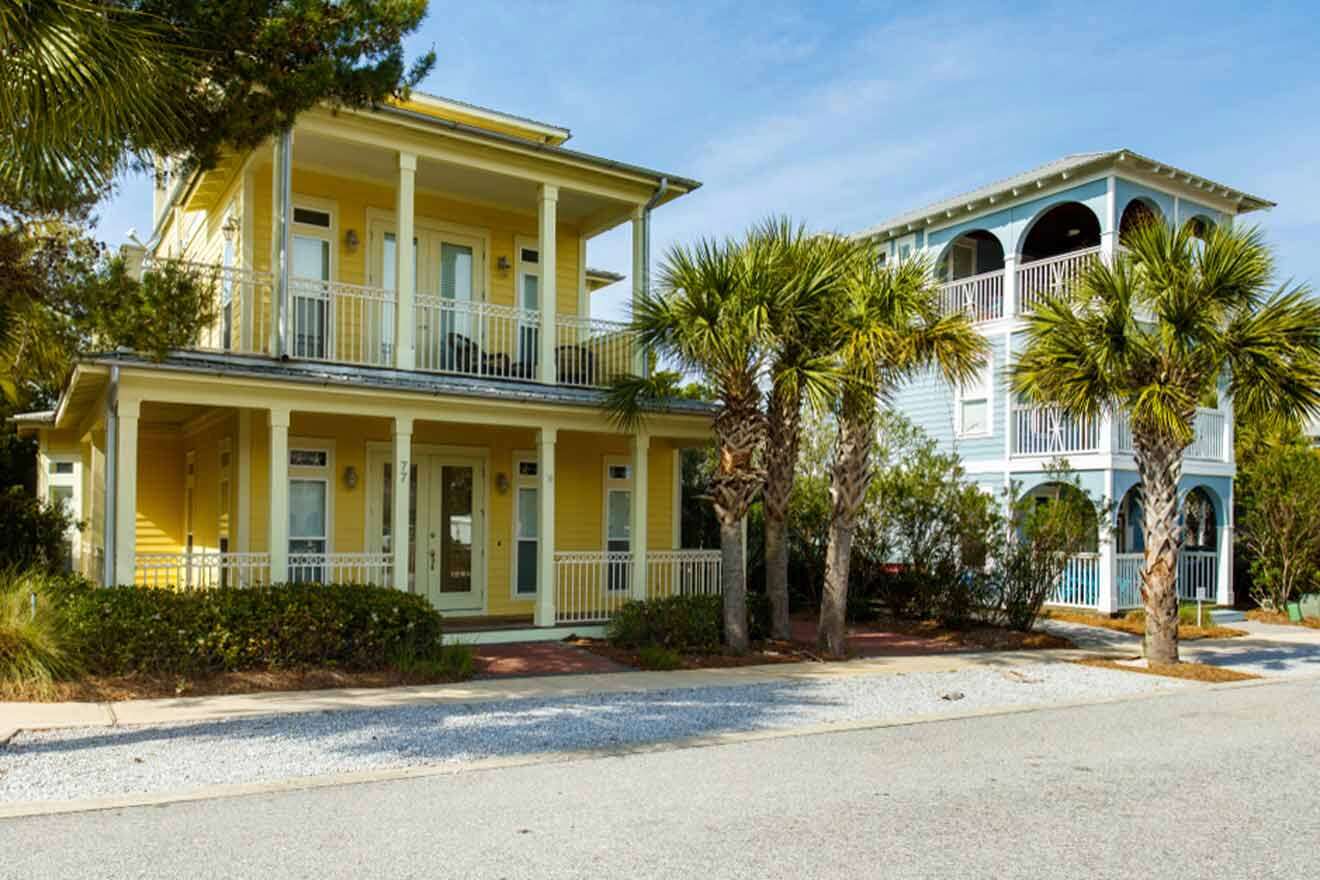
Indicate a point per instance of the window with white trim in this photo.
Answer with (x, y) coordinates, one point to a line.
(309, 514)
(527, 527)
(973, 404)
(64, 488)
(618, 524)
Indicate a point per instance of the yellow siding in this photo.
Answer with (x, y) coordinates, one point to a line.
(160, 492)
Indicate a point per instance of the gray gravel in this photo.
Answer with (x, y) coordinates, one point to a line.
(88, 762)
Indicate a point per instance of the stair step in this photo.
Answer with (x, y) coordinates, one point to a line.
(1227, 615)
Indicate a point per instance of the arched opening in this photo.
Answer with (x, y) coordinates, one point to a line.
(1199, 226)
(972, 253)
(1064, 228)
(1128, 537)
(1138, 213)
(1053, 492)
(1200, 528)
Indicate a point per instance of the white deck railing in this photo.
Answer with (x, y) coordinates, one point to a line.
(1049, 431)
(682, 573)
(1051, 275)
(980, 296)
(366, 569)
(591, 586)
(240, 294)
(201, 570)
(1079, 585)
(346, 323)
(590, 352)
(476, 338)
(1198, 577)
(1209, 440)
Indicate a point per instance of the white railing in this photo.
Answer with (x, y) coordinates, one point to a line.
(201, 570)
(1198, 575)
(590, 352)
(1209, 440)
(476, 338)
(980, 296)
(335, 321)
(1051, 275)
(591, 586)
(1079, 584)
(1050, 431)
(682, 573)
(366, 569)
(240, 294)
(1127, 569)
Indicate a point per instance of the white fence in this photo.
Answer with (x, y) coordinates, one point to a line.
(1079, 584)
(1198, 577)
(590, 352)
(201, 570)
(476, 338)
(980, 296)
(347, 323)
(591, 586)
(1049, 431)
(1127, 569)
(367, 569)
(1209, 440)
(239, 294)
(1052, 275)
(682, 573)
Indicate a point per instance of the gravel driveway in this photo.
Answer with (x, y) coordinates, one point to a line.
(89, 762)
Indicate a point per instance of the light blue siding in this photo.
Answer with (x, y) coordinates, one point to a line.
(928, 402)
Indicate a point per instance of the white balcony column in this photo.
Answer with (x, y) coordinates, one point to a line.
(641, 448)
(1109, 234)
(404, 231)
(1010, 285)
(641, 274)
(547, 205)
(282, 245)
(277, 541)
(545, 546)
(126, 461)
(1224, 588)
(1107, 598)
(400, 501)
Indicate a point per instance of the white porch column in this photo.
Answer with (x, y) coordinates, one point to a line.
(404, 315)
(399, 500)
(277, 543)
(547, 205)
(640, 274)
(1224, 590)
(641, 448)
(545, 546)
(126, 458)
(1107, 600)
(1109, 234)
(1010, 285)
(281, 230)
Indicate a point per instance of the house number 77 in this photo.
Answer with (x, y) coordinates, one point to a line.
(403, 471)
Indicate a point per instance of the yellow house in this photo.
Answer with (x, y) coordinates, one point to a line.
(350, 384)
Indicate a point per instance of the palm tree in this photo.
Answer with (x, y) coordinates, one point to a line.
(887, 327)
(1168, 323)
(799, 273)
(708, 317)
(87, 83)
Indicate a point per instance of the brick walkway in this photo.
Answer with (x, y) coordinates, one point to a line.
(539, 658)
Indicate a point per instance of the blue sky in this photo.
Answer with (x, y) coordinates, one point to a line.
(842, 114)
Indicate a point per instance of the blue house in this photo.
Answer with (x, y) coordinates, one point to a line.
(996, 250)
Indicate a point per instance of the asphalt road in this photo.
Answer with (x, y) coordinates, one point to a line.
(1221, 783)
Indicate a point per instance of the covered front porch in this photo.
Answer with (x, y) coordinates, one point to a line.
(520, 512)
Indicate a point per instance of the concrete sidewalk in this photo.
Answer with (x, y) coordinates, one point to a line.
(42, 716)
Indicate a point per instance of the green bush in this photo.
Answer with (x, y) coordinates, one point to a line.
(127, 630)
(679, 623)
(455, 662)
(659, 658)
(35, 647)
(34, 531)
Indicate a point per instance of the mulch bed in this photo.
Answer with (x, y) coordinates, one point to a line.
(762, 653)
(978, 637)
(144, 687)
(1188, 671)
(1260, 615)
(1137, 627)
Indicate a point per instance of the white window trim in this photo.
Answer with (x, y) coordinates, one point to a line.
(326, 474)
(329, 206)
(522, 482)
(961, 393)
(72, 481)
(611, 483)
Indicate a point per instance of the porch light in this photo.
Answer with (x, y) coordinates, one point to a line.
(350, 477)
(351, 240)
(502, 482)
(502, 264)
(230, 228)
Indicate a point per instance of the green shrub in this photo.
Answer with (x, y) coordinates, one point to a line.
(680, 623)
(126, 630)
(659, 658)
(454, 662)
(35, 647)
(34, 531)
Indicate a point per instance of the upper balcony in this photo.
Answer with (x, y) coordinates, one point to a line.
(1049, 433)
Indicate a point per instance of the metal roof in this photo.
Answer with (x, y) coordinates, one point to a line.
(1072, 165)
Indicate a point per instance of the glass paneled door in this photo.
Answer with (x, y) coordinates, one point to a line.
(449, 533)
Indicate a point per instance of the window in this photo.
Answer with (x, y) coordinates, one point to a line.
(529, 300)
(618, 525)
(527, 528)
(620, 472)
(311, 217)
(307, 530)
(61, 467)
(64, 488)
(308, 457)
(972, 402)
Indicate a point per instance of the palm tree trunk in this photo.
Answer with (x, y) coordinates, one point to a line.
(1159, 463)
(783, 430)
(733, 582)
(849, 481)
